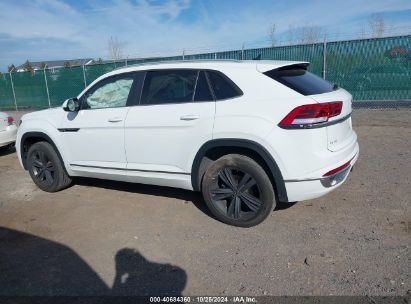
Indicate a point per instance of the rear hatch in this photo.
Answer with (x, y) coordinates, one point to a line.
(296, 77)
(339, 131)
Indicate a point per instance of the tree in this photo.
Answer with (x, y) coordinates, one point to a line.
(291, 34)
(28, 67)
(311, 34)
(271, 35)
(362, 34)
(67, 64)
(43, 65)
(11, 68)
(376, 23)
(114, 49)
(308, 34)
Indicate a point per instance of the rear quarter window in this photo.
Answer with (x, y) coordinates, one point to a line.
(223, 87)
(300, 80)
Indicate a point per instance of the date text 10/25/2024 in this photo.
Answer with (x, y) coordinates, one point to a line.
(203, 299)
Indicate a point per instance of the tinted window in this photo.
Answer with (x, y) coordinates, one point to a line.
(300, 80)
(202, 89)
(223, 87)
(169, 86)
(109, 93)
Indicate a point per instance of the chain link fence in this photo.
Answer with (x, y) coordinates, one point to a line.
(376, 71)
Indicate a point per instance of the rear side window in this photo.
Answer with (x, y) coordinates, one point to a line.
(222, 86)
(299, 79)
(169, 86)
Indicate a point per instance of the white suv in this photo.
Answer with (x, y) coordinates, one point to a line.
(246, 133)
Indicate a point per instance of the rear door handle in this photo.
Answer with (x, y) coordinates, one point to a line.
(190, 117)
(115, 119)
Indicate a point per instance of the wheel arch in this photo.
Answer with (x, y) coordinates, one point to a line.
(227, 146)
(30, 138)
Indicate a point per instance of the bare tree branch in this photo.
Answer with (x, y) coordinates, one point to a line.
(291, 34)
(377, 25)
(311, 34)
(114, 49)
(362, 34)
(308, 34)
(271, 35)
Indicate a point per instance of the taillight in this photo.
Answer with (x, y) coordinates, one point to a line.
(10, 120)
(311, 114)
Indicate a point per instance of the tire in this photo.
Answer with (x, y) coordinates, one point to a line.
(46, 169)
(240, 182)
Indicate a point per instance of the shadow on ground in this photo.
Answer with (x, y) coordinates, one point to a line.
(7, 150)
(190, 196)
(33, 266)
(180, 194)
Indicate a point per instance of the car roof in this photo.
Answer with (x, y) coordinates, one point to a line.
(260, 65)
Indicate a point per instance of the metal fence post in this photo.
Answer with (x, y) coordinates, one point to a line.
(324, 58)
(12, 88)
(84, 77)
(47, 86)
(242, 52)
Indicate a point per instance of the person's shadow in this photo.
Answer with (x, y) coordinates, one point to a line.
(33, 266)
(135, 275)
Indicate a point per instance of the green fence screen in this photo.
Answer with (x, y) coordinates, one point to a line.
(6, 92)
(371, 69)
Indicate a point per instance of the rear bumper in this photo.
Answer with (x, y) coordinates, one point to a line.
(8, 136)
(305, 189)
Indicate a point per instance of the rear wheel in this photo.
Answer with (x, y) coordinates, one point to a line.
(237, 191)
(46, 169)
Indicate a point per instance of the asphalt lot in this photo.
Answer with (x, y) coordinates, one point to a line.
(101, 237)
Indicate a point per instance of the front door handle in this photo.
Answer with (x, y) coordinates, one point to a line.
(190, 117)
(115, 119)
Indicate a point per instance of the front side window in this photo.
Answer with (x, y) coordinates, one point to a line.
(111, 93)
(169, 86)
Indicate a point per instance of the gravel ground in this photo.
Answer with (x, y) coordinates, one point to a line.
(101, 237)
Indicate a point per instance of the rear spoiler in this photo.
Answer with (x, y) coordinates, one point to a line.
(265, 66)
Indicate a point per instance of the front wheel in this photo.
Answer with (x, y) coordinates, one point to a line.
(46, 169)
(238, 191)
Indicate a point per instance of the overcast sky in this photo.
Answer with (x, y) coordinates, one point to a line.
(41, 30)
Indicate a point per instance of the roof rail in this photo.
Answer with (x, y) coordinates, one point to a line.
(177, 61)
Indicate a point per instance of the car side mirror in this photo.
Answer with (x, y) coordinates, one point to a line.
(71, 105)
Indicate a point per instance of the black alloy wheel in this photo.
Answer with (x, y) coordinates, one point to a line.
(235, 193)
(238, 191)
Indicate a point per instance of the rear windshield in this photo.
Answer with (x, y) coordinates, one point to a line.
(299, 79)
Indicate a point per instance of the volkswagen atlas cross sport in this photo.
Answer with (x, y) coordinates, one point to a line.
(247, 134)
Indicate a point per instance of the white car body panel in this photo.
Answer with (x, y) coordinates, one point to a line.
(151, 144)
(160, 137)
(8, 132)
(99, 142)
